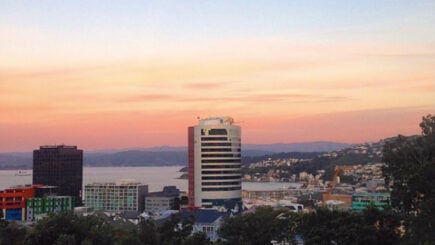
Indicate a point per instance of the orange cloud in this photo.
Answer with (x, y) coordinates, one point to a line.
(352, 126)
(206, 86)
(281, 90)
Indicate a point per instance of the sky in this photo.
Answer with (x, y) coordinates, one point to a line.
(120, 74)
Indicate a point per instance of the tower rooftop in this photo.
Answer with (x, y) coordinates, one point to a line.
(226, 120)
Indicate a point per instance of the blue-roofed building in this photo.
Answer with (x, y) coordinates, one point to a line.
(206, 220)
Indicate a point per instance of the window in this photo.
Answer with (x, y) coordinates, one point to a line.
(217, 150)
(217, 131)
(214, 138)
(216, 144)
(221, 183)
(220, 160)
(220, 155)
(222, 189)
(221, 172)
(220, 166)
(220, 177)
(207, 229)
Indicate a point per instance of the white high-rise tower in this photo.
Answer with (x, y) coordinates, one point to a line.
(214, 147)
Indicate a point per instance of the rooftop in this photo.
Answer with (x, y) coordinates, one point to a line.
(58, 147)
(216, 121)
(121, 182)
(203, 215)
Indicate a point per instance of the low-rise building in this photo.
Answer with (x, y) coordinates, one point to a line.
(361, 200)
(206, 220)
(13, 201)
(264, 194)
(168, 199)
(120, 196)
(39, 207)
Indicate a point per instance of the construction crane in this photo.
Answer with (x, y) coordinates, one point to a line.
(328, 193)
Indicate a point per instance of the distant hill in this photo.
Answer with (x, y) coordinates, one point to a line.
(250, 149)
(151, 149)
(14, 160)
(165, 155)
(318, 146)
(136, 158)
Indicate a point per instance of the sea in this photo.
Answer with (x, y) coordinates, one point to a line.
(155, 177)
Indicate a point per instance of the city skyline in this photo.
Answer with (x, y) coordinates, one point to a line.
(134, 74)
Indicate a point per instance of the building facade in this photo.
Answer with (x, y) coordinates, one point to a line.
(39, 207)
(13, 201)
(361, 201)
(208, 221)
(60, 166)
(159, 203)
(214, 162)
(123, 195)
(168, 199)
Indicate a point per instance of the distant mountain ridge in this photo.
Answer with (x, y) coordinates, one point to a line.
(315, 146)
(165, 155)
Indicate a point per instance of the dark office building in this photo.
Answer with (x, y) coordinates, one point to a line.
(60, 166)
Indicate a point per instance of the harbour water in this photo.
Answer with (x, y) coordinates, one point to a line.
(155, 177)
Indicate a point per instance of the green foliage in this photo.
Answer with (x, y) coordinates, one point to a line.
(321, 227)
(258, 228)
(370, 227)
(11, 233)
(69, 228)
(65, 239)
(148, 232)
(198, 238)
(410, 171)
(173, 231)
(386, 222)
(329, 164)
(129, 239)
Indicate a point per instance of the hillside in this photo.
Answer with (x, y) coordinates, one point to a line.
(318, 146)
(294, 163)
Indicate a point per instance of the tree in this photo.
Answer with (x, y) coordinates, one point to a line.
(65, 239)
(129, 239)
(173, 231)
(255, 228)
(410, 172)
(369, 227)
(176, 230)
(11, 233)
(148, 232)
(66, 227)
(386, 224)
(197, 238)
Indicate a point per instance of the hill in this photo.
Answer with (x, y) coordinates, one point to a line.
(294, 163)
(167, 155)
(318, 146)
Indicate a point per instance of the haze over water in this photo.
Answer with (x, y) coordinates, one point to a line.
(155, 177)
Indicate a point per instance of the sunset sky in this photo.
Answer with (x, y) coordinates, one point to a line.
(119, 74)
